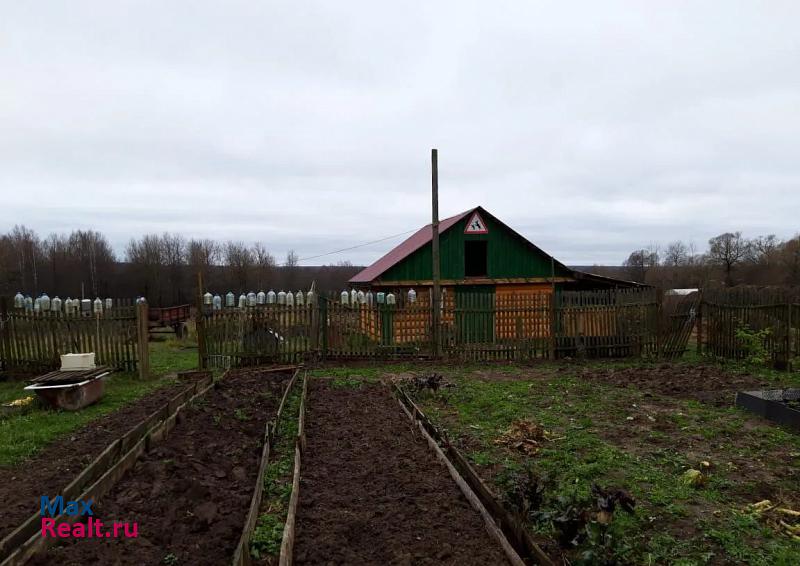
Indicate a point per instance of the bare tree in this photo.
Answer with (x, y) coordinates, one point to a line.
(27, 250)
(292, 261)
(790, 261)
(57, 253)
(239, 260)
(174, 253)
(728, 250)
(640, 262)
(264, 265)
(677, 253)
(95, 258)
(147, 255)
(763, 249)
(201, 255)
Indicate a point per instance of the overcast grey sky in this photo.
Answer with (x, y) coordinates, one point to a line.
(590, 127)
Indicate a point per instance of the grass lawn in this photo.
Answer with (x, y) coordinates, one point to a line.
(628, 438)
(22, 435)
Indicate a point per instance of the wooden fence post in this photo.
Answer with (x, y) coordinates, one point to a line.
(315, 327)
(5, 334)
(789, 341)
(142, 335)
(699, 322)
(323, 325)
(553, 324)
(200, 328)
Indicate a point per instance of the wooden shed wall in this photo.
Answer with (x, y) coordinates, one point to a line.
(509, 256)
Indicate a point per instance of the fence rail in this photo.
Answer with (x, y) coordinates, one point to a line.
(474, 326)
(34, 341)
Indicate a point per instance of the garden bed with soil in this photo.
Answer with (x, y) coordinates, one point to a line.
(53, 467)
(372, 492)
(706, 383)
(190, 493)
(547, 444)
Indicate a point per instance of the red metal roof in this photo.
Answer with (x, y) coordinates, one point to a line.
(405, 249)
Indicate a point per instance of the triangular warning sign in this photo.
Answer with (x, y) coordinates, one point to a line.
(476, 225)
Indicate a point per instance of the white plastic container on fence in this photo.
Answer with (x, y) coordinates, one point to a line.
(230, 299)
(242, 301)
(370, 298)
(216, 303)
(361, 297)
(28, 303)
(207, 298)
(251, 299)
(412, 296)
(299, 300)
(55, 304)
(281, 297)
(19, 301)
(380, 297)
(289, 299)
(37, 305)
(390, 299)
(98, 305)
(310, 298)
(109, 303)
(271, 297)
(45, 302)
(345, 297)
(354, 297)
(261, 298)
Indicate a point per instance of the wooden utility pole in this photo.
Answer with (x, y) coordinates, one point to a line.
(437, 292)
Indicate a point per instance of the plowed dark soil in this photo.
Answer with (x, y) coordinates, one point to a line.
(706, 383)
(191, 493)
(52, 468)
(372, 492)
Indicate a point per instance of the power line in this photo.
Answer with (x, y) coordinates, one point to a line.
(357, 246)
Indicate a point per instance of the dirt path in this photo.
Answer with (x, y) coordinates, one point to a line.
(191, 493)
(372, 492)
(55, 466)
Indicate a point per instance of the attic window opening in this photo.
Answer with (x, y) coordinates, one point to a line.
(475, 258)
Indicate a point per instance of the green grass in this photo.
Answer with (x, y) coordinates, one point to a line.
(597, 443)
(268, 533)
(22, 435)
(171, 356)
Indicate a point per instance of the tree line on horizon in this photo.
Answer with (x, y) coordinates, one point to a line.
(731, 259)
(164, 267)
(161, 267)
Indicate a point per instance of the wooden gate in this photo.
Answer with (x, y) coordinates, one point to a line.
(679, 314)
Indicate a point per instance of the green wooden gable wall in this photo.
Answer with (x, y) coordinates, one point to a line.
(509, 255)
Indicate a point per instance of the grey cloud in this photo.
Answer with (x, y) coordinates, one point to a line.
(591, 128)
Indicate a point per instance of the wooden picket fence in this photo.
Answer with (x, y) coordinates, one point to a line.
(474, 326)
(772, 314)
(34, 341)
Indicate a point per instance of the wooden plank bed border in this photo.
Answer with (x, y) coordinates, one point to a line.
(517, 543)
(241, 556)
(103, 472)
(287, 544)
